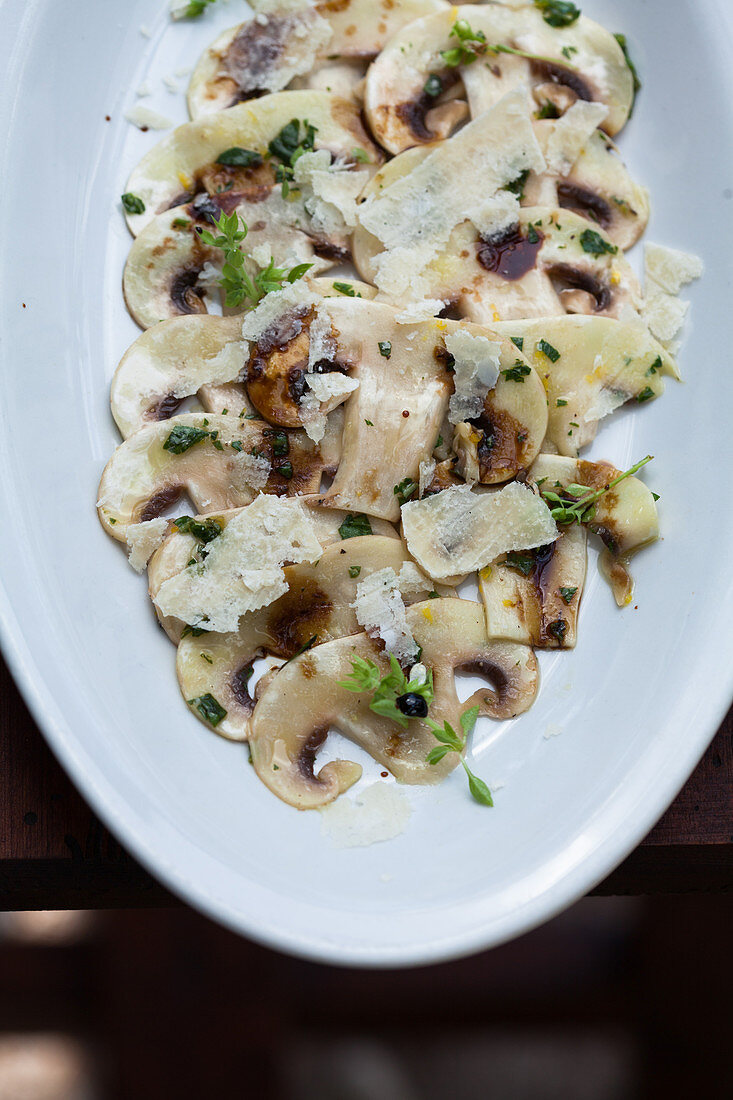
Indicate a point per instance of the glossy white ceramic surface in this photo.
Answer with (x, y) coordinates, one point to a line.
(636, 703)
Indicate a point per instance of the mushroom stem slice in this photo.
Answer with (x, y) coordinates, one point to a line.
(317, 608)
(305, 699)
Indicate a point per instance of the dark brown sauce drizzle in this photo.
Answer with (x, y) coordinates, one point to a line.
(510, 255)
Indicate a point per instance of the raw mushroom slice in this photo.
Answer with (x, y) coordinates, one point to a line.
(590, 366)
(402, 111)
(144, 476)
(291, 44)
(625, 518)
(315, 609)
(533, 596)
(549, 263)
(305, 700)
(186, 163)
(184, 356)
(180, 546)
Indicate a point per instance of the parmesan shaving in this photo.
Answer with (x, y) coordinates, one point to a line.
(144, 539)
(332, 190)
(414, 217)
(242, 570)
(476, 372)
(669, 268)
(380, 609)
(570, 134)
(378, 813)
(419, 311)
(291, 36)
(293, 297)
(426, 472)
(459, 530)
(145, 118)
(251, 471)
(333, 384)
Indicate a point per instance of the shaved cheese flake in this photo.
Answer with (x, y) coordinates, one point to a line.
(293, 33)
(332, 190)
(458, 181)
(420, 311)
(570, 134)
(250, 471)
(426, 472)
(243, 568)
(314, 420)
(145, 118)
(476, 371)
(321, 341)
(144, 539)
(379, 812)
(292, 298)
(333, 384)
(458, 530)
(380, 609)
(665, 316)
(669, 268)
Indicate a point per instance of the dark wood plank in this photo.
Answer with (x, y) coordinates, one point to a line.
(55, 853)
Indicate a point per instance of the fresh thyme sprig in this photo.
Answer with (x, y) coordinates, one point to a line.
(387, 689)
(237, 284)
(191, 10)
(472, 45)
(450, 741)
(576, 503)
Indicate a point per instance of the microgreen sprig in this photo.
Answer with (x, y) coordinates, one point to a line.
(237, 284)
(450, 741)
(387, 689)
(576, 503)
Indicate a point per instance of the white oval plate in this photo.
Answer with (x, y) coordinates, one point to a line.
(637, 702)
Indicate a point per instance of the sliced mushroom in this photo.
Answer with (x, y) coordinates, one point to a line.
(305, 699)
(625, 517)
(187, 162)
(401, 112)
(290, 44)
(145, 476)
(192, 355)
(600, 364)
(533, 596)
(316, 609)
(180, 547)
(544, 265)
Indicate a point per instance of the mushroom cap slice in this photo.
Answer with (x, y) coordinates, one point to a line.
(185, 162)
(180, 547)
(534, 596)
(625, 518)
(144, 477)
(601, 364)
(401, 113)
(316, 609)
(536, 268)
(254, 57)
(305, 699)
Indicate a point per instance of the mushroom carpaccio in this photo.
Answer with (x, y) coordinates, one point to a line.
(377, 484)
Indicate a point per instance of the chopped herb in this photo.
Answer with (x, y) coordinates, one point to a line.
(183, 437)
(532, 235)
(516, 187)
(574, 424)
(439, 441)
(433, 86)
(471, 44)
(354, 526)
(596, 244)
(560, 401)
(388, 689)
(133, 204)
(385, 348)
(193, 631)
(236, 157)
(354, 570)
(655, 367)
(251, 416)
(209, 709)
(558, 13)
(523, 560)
(360, 155)
(112, 522)
(237, 445)
(288, 146)
(568, 593)
(656, 496)
(180, 223)
(345, 288)
(547, 110)
(547, 349)
(621, 39)
(518, 341)
(568, 51)
(406, 489)
(576, 503)
(369, 423)
(645, 394)
(285, 470)
(558, 629)
(622, 203)
(518, 372)
(450, 741)
(193, 9)
(204, 530)
(280, 442)
(206, 657)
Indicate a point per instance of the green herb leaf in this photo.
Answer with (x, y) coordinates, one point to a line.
(133, 204)
(656, 367)
(406, 489)
(560, 402)
(289, 145)
(596, 244)
(518, 341)
(360, 155)
(354, 571)
(522, 560)
(568, 593)
(558, 13)
(354, 526)
(547, 349)
(366, 676)
(645, 394)
(205, 530)
(279, 442)
(433, 86)
(345, 288)
(518, 372)
(385, 348)
(183, 437)
(516, 187)
(450, 741)
(237, 157)
(209, 709)
(558, 629)
(576, 503)
(478, 788)
(468, 720)
(547, 110)
(532, 235)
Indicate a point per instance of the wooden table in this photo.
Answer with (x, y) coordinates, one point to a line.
(56, 854)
